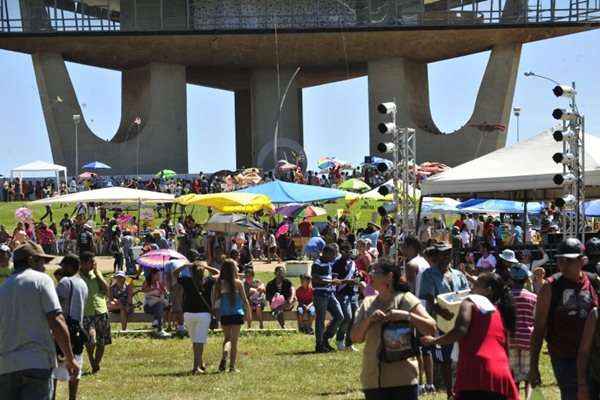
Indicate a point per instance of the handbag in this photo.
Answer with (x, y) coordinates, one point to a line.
(398, 341)
(79, 337)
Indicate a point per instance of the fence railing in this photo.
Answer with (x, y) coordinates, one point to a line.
(251, 15)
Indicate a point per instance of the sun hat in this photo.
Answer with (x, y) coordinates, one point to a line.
(519, 272)
(508, 255)
(30, 249)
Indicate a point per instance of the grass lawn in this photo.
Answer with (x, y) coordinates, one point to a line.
(277, 366)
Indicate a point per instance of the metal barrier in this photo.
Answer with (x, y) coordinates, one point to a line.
(255, 15)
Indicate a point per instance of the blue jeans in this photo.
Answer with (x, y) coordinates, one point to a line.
(157, 311)
(129, 262)
(28, 384)
(326, 302)
(349, 304)
(565, 372)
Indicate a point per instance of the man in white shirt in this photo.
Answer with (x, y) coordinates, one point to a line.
(487, 261)
(471, 224)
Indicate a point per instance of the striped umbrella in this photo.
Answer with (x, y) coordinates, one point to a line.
(156, 259)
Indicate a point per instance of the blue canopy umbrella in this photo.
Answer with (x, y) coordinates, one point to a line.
(379, 160)
(591, 208)
(482, 206)
(96, 165)
(281, 192)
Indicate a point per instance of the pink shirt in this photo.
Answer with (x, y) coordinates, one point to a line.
(525, 302)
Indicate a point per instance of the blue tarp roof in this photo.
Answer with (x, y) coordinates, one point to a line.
(592, 208)
(498, 206)
(281, 192)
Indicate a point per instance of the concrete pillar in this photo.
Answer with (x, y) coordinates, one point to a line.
(256, 114)
(156, 93)
(406, 81)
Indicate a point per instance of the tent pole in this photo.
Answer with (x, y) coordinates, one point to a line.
(418, 224)
(525, 218)
(138, 216)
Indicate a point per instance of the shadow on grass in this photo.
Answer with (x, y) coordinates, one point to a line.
(296, 353)
(172, 374)
(341, 393)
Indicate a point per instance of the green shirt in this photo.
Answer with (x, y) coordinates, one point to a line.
(5, 273)
(96, 300)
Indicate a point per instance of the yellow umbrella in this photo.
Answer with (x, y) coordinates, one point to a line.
(355, 185)
(231, 202)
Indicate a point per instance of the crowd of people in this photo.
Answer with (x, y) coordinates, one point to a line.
(508, 301)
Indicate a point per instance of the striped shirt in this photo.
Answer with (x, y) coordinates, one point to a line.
(524, 302)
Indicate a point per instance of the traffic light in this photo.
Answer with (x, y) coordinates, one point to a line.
(387, 108)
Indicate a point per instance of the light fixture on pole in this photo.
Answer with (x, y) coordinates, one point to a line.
(76, 121)
(403, 149)
(137, 122)
(517, 113)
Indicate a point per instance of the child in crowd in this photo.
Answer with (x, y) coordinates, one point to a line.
(121, 298)
(255, 291)
(306, 309)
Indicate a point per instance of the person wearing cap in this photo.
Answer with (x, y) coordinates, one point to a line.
(5, 267)
(563, 305)
(507, 259)
(306, 309)
(121, 298)
(72, 293)
(520, 341)
(95, 313)
(440, 278)
(30, 311)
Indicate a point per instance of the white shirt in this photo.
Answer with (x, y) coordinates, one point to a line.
(488, 262)
(465, 238)
(471, 224)
(422, 265)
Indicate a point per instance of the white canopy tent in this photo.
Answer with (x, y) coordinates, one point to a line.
(40, 166)
(521, 171)
(119, 195)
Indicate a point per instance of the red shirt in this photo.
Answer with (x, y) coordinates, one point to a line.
(525, 306)
(482, 361)
(363, 262)
(459, 224)
(305, 228)
(304, 295)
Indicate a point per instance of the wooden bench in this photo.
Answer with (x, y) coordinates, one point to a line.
(147, 318)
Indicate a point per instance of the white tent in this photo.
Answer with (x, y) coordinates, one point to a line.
(119, 195)
(523, 170)
(40, 166)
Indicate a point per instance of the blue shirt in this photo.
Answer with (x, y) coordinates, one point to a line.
(322, 270)
(314, 246)
(434, 283)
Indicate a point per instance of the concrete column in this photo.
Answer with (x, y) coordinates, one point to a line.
(256, 114)
(156, 93)
(243, 129)
(406, 81)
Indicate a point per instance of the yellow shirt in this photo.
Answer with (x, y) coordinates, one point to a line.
(400, 373)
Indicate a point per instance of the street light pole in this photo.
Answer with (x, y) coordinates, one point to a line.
(517, 112)
(76, 120)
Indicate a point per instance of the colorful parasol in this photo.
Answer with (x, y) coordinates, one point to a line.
(326, 163)
(23, 214)
(166, 174)
(156, 259)
(355, 185)
(283, 229)
(87, 175)
(311, 211)
(232, 202)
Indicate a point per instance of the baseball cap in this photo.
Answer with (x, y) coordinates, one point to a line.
(440, 247)
(29, 249)
(69, 260)
(120, 274)
(519, 272)
(570, 248)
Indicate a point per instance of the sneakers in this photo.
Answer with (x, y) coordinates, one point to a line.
(161, 334)
(430, 388)
(341, 346)
(327, 347)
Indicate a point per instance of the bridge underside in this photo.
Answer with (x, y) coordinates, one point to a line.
(226, 60)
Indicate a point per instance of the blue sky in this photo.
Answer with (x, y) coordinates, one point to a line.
(340, 131)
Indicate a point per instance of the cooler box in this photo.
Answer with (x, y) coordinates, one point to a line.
(450, 302)
(297, 268)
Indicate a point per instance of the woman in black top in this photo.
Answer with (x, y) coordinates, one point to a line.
(197, 307)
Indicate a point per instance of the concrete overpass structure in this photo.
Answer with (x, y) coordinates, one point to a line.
(245, 45)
